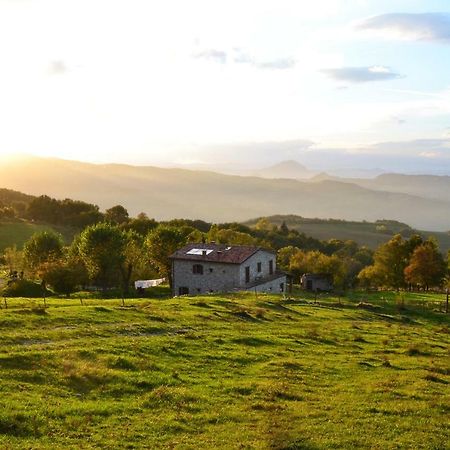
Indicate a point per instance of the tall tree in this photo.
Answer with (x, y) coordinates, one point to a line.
(160, 243)
(101, 248)
(135, 262)
(427, 266)
(117, 215)
(41, 248)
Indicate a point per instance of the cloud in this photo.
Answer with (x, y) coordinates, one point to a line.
(57, 67)
(240, 56)
(282, 63)
(421, 27)
(362, 74)
(430, 154)
(417, 146)
(214, 55)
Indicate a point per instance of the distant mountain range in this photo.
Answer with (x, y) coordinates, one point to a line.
(285, 169)
(168, 193)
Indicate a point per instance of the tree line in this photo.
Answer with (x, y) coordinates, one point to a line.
(118, 249)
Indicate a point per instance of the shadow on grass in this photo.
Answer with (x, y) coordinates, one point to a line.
(300, 444)
(20, 424)
(252, 341)
(19, 361)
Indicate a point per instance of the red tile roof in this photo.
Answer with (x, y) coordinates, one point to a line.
(231, 254)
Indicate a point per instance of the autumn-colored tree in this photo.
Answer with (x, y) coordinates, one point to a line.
(427, 266)
(390, 261)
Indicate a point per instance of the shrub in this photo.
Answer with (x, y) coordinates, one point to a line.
(24, 288)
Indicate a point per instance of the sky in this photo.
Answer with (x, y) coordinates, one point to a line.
(326, 82)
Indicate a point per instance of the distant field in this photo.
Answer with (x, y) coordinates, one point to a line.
(17, 233)
(364, 233)
(226, 372)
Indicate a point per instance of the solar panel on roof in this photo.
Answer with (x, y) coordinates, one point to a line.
(198, 251)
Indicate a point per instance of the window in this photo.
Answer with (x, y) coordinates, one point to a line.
(211, 270)
(259, 268)
(271, 267)
(247, 274)
(183, 290)
(198, 269)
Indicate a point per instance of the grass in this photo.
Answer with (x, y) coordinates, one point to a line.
(232, 371)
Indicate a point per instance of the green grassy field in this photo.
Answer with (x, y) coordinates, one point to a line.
(364, 233)
(18, 232)
(226, 372)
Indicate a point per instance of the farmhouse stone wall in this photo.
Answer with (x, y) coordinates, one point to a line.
(217, 277)
(272, 286)
(261, 256)
(223, 277)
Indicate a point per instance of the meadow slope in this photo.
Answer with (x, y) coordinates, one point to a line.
(231, 371)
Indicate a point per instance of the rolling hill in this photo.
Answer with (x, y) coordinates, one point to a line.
(364, 233)
(167, 193)
(18, 232)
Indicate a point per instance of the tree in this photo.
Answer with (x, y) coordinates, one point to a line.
(284, 256)
(427, 266)
(101, 248)
(134, 259)
(369, 277)
(160, 243)
(63, 276)
(41, 248)
(141, 224)
(117, 215)
(263, 224)
(284, 228)
(13, 259)
(231, 237)
(298, 264)
(390, 261)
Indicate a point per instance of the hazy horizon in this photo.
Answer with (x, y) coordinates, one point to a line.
(331, 84)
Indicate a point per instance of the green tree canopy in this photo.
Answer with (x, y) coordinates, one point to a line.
(41, 248)
(101, 247)
(160, 243)
(117, 215)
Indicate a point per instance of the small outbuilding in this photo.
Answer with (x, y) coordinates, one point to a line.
(317, 282)
(207, 268)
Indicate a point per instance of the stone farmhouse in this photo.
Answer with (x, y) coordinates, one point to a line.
(207, 268)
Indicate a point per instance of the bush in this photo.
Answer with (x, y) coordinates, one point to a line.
(23, 288)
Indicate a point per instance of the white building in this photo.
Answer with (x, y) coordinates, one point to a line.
(207, 268)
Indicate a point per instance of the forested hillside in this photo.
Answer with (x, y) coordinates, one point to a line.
(167, 193)
(370, 234)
